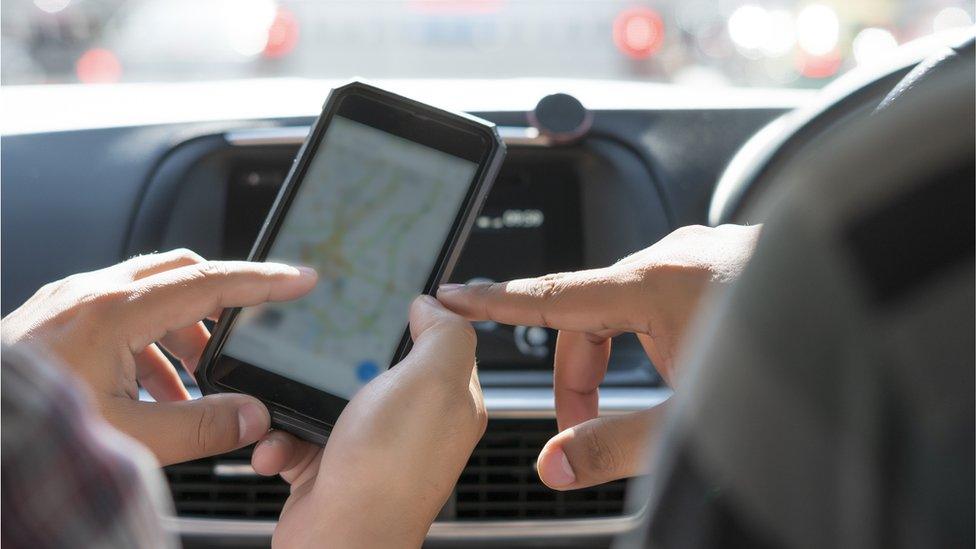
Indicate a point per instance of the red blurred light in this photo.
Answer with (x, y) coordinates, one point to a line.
(282, 34)
(98, 66)
(638, 32)
(819, 66)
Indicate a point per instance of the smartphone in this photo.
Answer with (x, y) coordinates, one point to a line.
(379, 201)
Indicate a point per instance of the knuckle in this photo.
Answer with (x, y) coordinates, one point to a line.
(550, 286)
(455, 327)
(52, 288)
(690, 231)
(487, 290)
(208, 437)
(213, 270)
(600, 456)
(465, 408)
(186, 255)
(464, 331)
(105, 300)
(72, 283)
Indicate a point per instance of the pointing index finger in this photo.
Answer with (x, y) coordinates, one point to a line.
(594, 300)
(177, 298)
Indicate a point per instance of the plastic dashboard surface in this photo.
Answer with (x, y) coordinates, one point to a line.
(76, 194)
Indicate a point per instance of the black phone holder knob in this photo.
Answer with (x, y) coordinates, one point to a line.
(561, 118)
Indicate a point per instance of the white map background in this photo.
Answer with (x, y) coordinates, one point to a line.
(370, 217)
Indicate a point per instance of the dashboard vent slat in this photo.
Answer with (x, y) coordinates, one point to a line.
(499, 482)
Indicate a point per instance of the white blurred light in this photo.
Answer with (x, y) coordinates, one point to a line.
(245, 24)
(951, 18)
(873, 44)
(749, 26)
(817, 29)
(51, 6)
(781, 34)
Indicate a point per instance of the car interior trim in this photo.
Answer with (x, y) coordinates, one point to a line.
(538, 403)
(295, 135)
(439, 530)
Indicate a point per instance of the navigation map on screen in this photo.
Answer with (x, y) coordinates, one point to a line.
(370, 217)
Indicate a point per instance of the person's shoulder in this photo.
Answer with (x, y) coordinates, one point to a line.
(75, 480)
(34, 387)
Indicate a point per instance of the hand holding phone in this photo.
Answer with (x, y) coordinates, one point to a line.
(396, 452)
(379, 202)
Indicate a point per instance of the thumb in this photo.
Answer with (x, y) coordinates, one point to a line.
(191, 429)
(599, 450)
(442, 337)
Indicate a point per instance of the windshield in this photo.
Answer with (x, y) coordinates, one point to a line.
(780, 43)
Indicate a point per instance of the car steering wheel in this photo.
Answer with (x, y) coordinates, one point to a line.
(856, 94)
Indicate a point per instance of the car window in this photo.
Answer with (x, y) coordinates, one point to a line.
(765, 43)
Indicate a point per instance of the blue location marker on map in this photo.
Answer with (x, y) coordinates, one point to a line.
(367, 370)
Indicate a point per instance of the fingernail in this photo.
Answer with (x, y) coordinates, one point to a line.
(449, 287)
(251, 423)
(558, 472)
(429, 300)
(306, 271)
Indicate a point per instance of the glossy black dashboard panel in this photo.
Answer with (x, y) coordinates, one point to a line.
(74, 195)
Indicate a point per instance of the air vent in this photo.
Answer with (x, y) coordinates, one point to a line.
(499, 482)
(225, 487)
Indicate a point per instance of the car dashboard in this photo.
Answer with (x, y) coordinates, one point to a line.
(102, 187)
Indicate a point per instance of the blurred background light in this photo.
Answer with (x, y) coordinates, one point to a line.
(819, 66)
(51, 6)
(282, 35)
(817, 29)
(873, 44)
(98, 66)
(951, 18)
(795, 43)
(246, 24)
(749, 27)
(638, 32)
(781, 36)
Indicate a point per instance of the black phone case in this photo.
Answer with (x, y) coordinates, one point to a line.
(314, 429)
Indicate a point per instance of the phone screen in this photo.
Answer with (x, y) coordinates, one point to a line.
(371, 217)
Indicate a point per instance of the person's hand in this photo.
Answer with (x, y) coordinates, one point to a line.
(108, 326)
(396, 451)
(653, 294)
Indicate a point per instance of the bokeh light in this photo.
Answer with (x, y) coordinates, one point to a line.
(951, 18)
(872, 45)
(749, 26)
(98, 66)
(795, 43)
(282, 34)
(246, 24)
(780, 39)
(817, 29)
(638, 32)
(51, 6)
